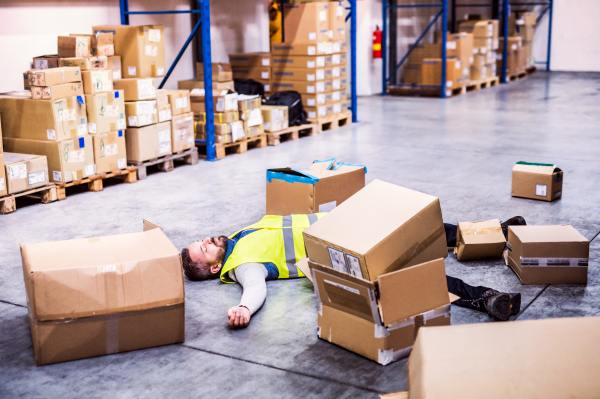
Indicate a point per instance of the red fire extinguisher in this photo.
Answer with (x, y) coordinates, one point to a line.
(377, 43)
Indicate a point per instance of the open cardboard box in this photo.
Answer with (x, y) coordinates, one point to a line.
(479, 240)
(537, 181)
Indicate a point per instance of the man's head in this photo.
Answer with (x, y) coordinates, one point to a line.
(203, 259)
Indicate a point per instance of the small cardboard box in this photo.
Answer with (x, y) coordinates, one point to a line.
(85, 63)
(180, 101)
(25, 171)
(251, 117)
(298, 61)
(299, 48)
(554, 358)
(479, 29)
(339, 84)
(114, 64)
(253, 131)
(223, 101)
(300, 74)
(413, 74)
(136, 89)
(254, 73)
(337, 21)
(97, 81)
(236, 129)
(320, 111)
(54, 76)
(221, 117)
(275, 117)
(109, 151)
(103, 295)
(102, 43)
(306, 22)
(164, 113)
(57, 92)
(479, 240)
(250, 59)
(432, 72)
(248, 102)
(68, 160)
(302, 87)
(320, 188)
(148, 142)
(74, 46)
(141, 113)
(162, 97)
(105, 111)
(182, 132)
(221, 72)
(46, 61)
(193, 84)
(318, 99)
(548, 254)
(537, 181)
(381, 228)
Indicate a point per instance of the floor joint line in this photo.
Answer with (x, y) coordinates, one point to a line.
(598, 233)
(14, 304)
(530, 303)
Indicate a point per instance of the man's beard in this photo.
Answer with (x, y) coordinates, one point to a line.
(221, 242)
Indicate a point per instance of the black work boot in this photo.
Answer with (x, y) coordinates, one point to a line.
(497, 304)
(515, 304)
(513, 221)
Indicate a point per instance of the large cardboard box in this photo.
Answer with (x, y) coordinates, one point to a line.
(552, 359)
(381, 228)
(298, 61)
(320, 111)
(46, 61)
(322, 86)
(142, 49)
(318, 99)
(136, 89)
(548, 254)
(250, 59)
(85, 63)
(109, 151)
(479, 240)
(432, 73)
(479, 29)
(254, 73)
(180, 101)
(192, 84)
(114, 64)
(412, 74)
(221, 72)
(3, 182)
(306, 22)
(251, 117)
(182, 132)
(25, 171)
(97, 81)
(337, 21)
(54, 76)
(464, 43)
(57, 92)
(148, 142)
(336, 59)
(74, 46)
(101, 43)
(221, 117)
(141, 113)
(537, 181)
(103, 295)
(223, 101)
(248, 102)
(300, 74)
(275, 117)
(43, 120)
(68, 160)
(299, 48)
(319, 188)
(105, 111)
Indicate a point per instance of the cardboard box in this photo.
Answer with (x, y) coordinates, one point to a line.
(109, 151)
(253, 131)
(247, 102)
(43, 120)
(57, 92)
(3, 182)
(136, 89)
(381, 228)
(25, 171)
(251, 117)
(101, 43)
(182, 132)
(337, 21)
(554, 358)
(479, 240)
(129, 295)
(97, 81)
(315, 100)
(306, 22)
(235, 129)
(300, 74)
(432, 72)
(298, 61)
(464, 43)
(339, 72)
(141, 113)
(537, 181)
(221, 117)
(114, 64)
(302, 87)
(223, 101)
(221, 72)
(199, 84)
(68, 160)
(254, 73)
(380, 319)
(180, 101)
(164, 113)
(479, 29)
(413, 74)
(85, 63)
(339, 84)
(250, 59)
(148, 142)
(548, 254)
(105, 111)
(142, 49)
(74, 46)
(54, 76)
(46, 61)
(298, 48)
(477, 72)
(320, 111)
(275, 117)
(336, 59)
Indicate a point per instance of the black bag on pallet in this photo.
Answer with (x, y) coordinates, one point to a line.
(296, 113)
(248, 86)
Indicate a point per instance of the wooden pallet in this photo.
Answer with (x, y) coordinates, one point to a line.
(46, 194)
(516, 76)
(96, 182)
(531, 69)
(291, 133)
(332, 122)
(239, 147)
(475, 85)
(424, 91)
(166, 163)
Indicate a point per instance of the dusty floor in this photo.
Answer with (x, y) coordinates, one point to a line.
(461, 150)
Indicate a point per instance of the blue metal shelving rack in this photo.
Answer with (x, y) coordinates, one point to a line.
(203, 25)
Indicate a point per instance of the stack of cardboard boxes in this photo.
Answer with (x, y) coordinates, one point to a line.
(485, 45)
(250, 114)
(255, 66)
(520, 31)
(221, 74)
(228, 126)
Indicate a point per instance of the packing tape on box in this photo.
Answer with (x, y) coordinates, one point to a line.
(415, 250)
(432, 314)
(290, 178)
(388, 356)
(331, 162)
(554, 262)
(403, 323)
(340, 164)
(482, 231)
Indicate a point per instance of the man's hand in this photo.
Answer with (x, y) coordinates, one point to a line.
(239, 316)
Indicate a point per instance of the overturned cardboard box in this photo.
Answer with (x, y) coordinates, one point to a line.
(381, 228)
(320, 188)
(548, 254)
(479, 240)
(103, 295)
(554, 358)
(537, 181)
(380, 319)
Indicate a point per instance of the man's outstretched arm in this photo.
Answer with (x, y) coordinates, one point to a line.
(251, 277)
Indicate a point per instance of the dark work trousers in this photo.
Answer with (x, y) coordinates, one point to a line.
(470, 297)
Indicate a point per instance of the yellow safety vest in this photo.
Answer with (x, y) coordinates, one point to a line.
(278, 241)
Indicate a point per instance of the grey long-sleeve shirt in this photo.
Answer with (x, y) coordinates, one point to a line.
(252, 277)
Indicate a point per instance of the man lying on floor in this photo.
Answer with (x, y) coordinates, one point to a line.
(259, 253)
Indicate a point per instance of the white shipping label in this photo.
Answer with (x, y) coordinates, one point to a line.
(451, 45)
(339, 11)
(330, 34)
(470, 59)
(344, 287)
(322, 15)
(51, 134)
(320, 74)
(17, 172)
(320, 62)
(311, 102)
(337, 84)
(449, 83)
(336, 59)
(160, 71)
(312, 50)
(320, 99)
(322, 111)
(457, 65)
(190, 141)
(498, 56)
(335, 72)
(92, 127)
(310, 77)
(41, 64)
(448, 93)
(337, 108)
(267, 88)
(336, 96)
(132, 71)
(220, 105)
(164, 136)
(56, 175)
(264, 75)
(154, 35)
(312, 36)
(109, 149)
(75, 156)
(81, 130)
(541, 190)
(179, 103)
(354, 265)
(164, 148)
(327, 207)
(237, 131)
(337, 47)
(36, 177)
(151, 51)
(255, 117)
(513, 47)
(145, 107)
(320, 87)
(121, 163)
(89, 169)
(312, 114)
(495, 44)
(146, 89)
(310, 89)
(117, 74)
(133, 121)
(2, 184)
(145, 120)
(266, 62)
(337, 260)
(121, 124)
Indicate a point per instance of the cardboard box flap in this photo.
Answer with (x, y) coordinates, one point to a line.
(487, 231)
(343, 167)
(149, 225)
(323, 165)
(302, 264)
(541, 168)
(101, 275)
(548, 234)
(291, 175)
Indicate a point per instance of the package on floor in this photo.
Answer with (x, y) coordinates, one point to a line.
(54, 76)
(319, 188)
(479, 240)
(254, 73)
(182, 132)
(180, 101)
(380, 319)
(68, 160)
(136, 89)
(250, 60)
(141, 113)
(322, 86)
(109, 151)
(74, 46)
(101, 43)
(56, 120)
(25, 171)
(148, 142)
(275, 117)
(142, 49)
(548, 254)
(46, 61)
(106, 111)
(221, 72)
(381, 228)
(537, 181)
(306, 22)
(299, 48)
(128, 295)
(553, 358)
(193, 84)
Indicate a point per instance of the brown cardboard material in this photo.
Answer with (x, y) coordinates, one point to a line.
(180, 101)
(46, 61)
(114, 64)
(148, 142)
(300, 74)
(548, 254)
(221, 117)
(127, 295)
(381, 228)
(57, 92)
(221, 72)
(85, 63)
(479, 240)
(68, 160)
(554, 358)
(97, 81)
(298, 61)
(101, 44)
(141, 113)
(275, 117)
(479, 29)
(250, 59)
(182, 132)
(318, 99)
(105, 111)
(251, 117)
(199, 84)
(136, 89)
(337, 21)
(298, 48)
(25, 171)
(54, 76)
(74, 46)
(254, 73)
(223, 101)
(306, 22)
(248, 102)
(413, 74)
(3, 183)
(320, 188)
(537, 181)
(142, 49)
(43, 120)
(302, 87)
(432, 72)
(320, 111)
(109, 151)
(253, 131)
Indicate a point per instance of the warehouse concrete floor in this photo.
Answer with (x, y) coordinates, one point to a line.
(461, 150)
